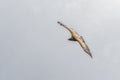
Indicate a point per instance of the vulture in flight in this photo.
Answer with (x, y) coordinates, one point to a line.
(76, 37)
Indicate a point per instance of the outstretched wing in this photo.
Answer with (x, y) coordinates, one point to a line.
(68, 28)
(84, 46)
(82, 39)
(76, 37)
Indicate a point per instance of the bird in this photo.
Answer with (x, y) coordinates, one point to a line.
(76, 37)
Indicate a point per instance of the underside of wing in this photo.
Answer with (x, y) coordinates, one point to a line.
(89, 53)
(85, 47)
(82, 39)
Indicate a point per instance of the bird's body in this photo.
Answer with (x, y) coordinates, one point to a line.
(76, 37)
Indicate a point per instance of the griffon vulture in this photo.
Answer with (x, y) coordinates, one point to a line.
(76, 37)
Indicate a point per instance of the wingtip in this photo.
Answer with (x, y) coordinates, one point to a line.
(91, 55)
(60, 23)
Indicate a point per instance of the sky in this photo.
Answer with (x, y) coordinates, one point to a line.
(34, 47)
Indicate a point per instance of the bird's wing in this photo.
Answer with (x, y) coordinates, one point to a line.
(84, 46)
(82, 39)
(68, 28)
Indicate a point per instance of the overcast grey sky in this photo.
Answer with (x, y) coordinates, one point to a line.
(34, 47)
